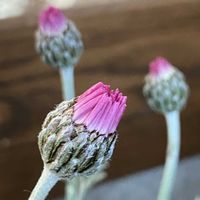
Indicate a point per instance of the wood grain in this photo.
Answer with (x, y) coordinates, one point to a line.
(120, 40)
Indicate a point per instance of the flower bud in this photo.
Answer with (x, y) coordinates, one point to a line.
(79, 136)
(58, 41)
(165, 87)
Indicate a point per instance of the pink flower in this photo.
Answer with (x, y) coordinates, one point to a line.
(100, 108)
(52, 21)
(159, 66)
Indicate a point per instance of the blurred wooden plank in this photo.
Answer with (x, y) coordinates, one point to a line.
(119, 41)
(81, 8)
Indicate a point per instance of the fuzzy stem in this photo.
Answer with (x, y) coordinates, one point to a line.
(46, 181)
(73, 190)
(67, 80)
(172, 157)
(78, 187)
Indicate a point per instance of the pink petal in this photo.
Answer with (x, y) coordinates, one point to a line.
(118, 115)
(96, 114)
(95, 87)
(100, 109)
(89, 97)
(113, 112)
(103, 121)
(87, 107)
(52, 21)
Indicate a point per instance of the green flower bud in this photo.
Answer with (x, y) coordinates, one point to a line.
(165, 87)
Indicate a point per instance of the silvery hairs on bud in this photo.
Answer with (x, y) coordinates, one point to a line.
(165, 87)
(58, 41)
(78, 137)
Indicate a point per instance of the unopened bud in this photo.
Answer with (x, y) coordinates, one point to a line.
(165, 87)
(58, 41)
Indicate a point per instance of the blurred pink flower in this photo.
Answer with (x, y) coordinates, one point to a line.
(159, 66)
(52, 21)
(100, 108)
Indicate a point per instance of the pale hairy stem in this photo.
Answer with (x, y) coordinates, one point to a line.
(172, 155)
(78, 187)
(67, 81)
(45, 183)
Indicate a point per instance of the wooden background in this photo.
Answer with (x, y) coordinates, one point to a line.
(120, 40)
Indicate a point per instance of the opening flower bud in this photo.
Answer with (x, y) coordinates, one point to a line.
(79, 136)
(58, 41)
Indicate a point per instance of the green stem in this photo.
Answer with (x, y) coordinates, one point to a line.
(77, 188)
(67, 80)
(74, 190)
(172, 157)
(46, 181)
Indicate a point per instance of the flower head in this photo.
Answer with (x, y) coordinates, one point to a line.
(79, 136)
(58, 41)
(165, 87)
(52, 21)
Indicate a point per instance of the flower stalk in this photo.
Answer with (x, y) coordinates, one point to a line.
(45, 183)
(78, 187)
(172, 155)
(67, 82)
